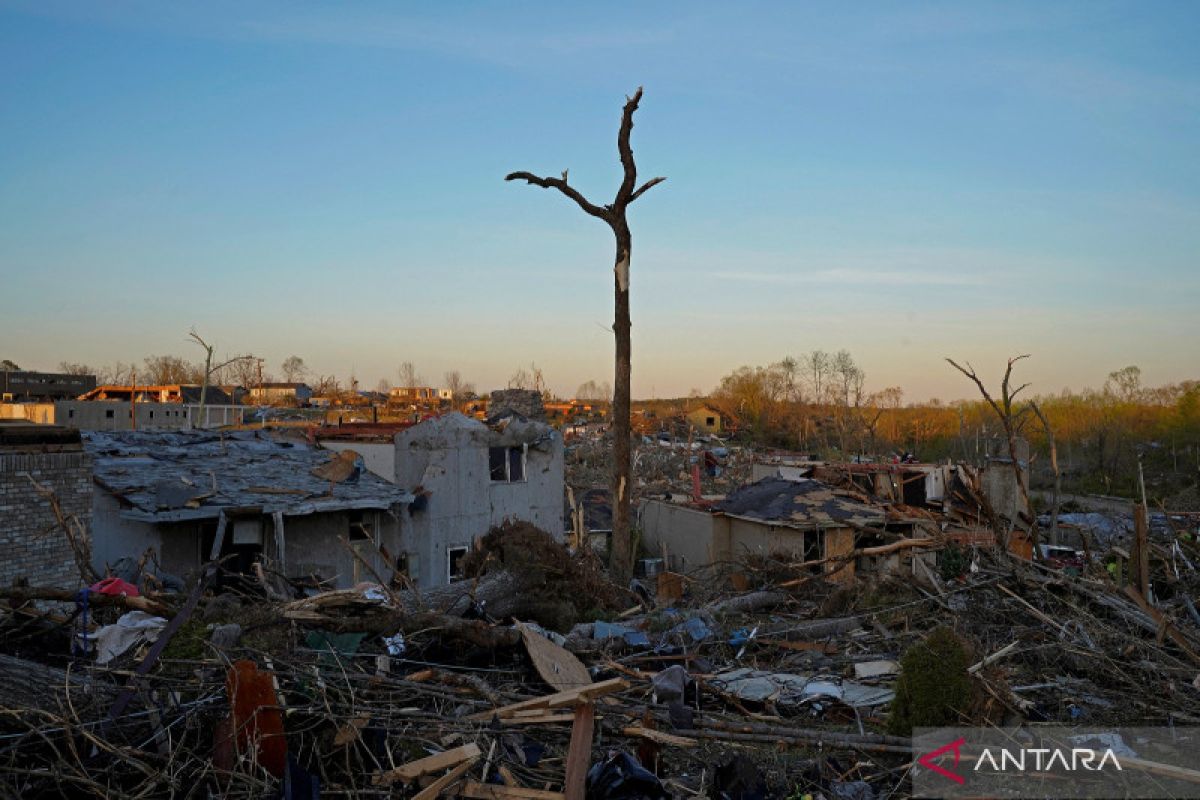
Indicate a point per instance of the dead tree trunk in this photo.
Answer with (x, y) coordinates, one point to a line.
(621, 560)
(1004, 411)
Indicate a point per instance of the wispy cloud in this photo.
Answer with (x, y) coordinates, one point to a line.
(859, 277)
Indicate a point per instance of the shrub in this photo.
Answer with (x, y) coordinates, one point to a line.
(934, 687)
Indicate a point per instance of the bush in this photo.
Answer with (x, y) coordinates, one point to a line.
(953, 562)
(934, 688)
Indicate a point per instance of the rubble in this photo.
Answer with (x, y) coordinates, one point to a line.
(536, 677)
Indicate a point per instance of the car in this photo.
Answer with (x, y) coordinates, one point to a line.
(1061, 557)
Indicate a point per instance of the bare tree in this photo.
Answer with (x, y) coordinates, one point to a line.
(293, 368)
(817, 365)
(70, 368)
(384, 386)
(614, 215)
(1009, 421)
(209, 369)
(459, 388)
(115, 374)
(161, 370)
(520, 379)
(408, 376)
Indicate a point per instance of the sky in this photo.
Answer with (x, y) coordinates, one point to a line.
(907, 181)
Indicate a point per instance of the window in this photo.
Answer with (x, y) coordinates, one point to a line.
(360, 531)
(108, 413)
(70, 413)
(710, 421)
(454, 559)
(506, 464)
(151, 413)
(410, 564)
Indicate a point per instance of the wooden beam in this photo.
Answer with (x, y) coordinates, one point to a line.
(431, 791)
(557, 700)
(579, 752)
(659, 737)
(423, 766)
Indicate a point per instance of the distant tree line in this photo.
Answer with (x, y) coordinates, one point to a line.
(817, 403)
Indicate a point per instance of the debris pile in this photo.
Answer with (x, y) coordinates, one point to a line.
(537, 678)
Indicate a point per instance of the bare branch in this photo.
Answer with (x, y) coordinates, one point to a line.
(969, 371)
(234, 360)
(562, 186)
(646, 187)
(625, 192)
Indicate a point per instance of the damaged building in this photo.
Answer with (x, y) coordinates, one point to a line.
(801, 519)
(468, 476)
(285, 504)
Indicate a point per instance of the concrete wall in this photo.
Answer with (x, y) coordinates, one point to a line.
(447, 458)
(380, 457)
(33, 412)
(114, 415)
(31, 544)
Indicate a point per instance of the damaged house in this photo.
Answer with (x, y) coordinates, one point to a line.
(468, 476)
(284, 504)
(803, 519)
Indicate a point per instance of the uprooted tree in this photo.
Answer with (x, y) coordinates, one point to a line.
(621, 561)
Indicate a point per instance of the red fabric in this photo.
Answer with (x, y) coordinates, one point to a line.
(115, 586)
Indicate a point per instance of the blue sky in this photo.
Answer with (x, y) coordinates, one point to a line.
(907, 181)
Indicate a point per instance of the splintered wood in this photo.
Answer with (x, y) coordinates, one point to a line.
(556, 666)
(565, 699)
(423, 766)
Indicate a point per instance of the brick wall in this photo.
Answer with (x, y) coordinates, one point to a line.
(31, 543)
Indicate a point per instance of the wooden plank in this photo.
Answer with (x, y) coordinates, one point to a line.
(659, 736)
(492, 791)
(434, 789)
(557, 700)
(579, 752)
(540, 719)
(556, 666)
(423, 766)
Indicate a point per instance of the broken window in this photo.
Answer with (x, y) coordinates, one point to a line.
(454, 559)
(360, 530)
(710, 421)
(506, 464)
(410, 565)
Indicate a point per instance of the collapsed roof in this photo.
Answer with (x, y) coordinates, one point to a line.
(188, 475)
(801, 504)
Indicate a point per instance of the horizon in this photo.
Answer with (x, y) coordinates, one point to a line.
(906, 183)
